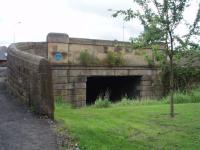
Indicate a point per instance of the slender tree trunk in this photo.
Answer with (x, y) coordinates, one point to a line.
(170, 54)
(171, 76)
(171, 88)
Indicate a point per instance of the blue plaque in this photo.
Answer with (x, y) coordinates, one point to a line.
(58, 56)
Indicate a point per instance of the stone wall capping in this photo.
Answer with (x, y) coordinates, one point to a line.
(57, 38)
(98, 42)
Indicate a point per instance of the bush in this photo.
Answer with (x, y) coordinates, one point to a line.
(88, 59)
(115, 59)
(102, 103)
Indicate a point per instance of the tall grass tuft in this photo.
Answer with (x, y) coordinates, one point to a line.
(195, 95)
(102, 103)
(181, 97)
(127, 101)
(192, 96)
(59, 101)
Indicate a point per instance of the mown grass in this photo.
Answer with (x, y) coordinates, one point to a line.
(133, 126)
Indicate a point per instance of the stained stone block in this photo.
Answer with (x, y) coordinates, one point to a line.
(146, 78)
(77, 72)
(145, 94)
(60, 73)
(121, 72)
(81, 85)
(57, 38)
(76, 91)
(145, 88)
(77, 79)
(146, 83)
(136, 72)
(63, 86)
(60, 80)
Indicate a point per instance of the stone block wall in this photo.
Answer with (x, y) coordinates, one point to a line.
(29, 73)
(69, 82)
(29, 78)
(35, 48)
(69, 50)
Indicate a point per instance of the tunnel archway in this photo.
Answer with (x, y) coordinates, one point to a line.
(112, 87)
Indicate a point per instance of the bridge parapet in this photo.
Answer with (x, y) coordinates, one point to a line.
(63, 49)
(29, 78)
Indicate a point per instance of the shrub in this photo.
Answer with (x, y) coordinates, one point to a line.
(149, 60)
(88, 59)
(110, 58)
(102, 103)
(115, 59)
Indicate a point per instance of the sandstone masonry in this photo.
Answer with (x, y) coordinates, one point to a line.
(29, 78)
(61, 54)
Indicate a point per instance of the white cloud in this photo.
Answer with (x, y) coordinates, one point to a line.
(78, 18)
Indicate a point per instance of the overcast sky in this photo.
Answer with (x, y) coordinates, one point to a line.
(32, 20)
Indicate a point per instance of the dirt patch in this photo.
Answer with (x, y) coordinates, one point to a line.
(64, 140)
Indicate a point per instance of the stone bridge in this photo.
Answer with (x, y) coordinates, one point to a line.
(78, 71)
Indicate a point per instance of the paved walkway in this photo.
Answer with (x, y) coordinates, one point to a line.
(21, 129)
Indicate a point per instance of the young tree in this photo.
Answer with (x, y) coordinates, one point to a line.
(161, 19)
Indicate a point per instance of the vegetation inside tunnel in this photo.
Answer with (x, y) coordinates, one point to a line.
(113, 88)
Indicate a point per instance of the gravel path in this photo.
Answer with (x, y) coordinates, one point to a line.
(21, 129)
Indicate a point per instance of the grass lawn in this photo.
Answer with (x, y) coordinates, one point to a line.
(141, 127)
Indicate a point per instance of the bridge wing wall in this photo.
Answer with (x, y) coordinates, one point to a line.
(35, 48)
(29, 78)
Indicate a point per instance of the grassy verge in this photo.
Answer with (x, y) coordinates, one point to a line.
(132, 127)
(134, 124)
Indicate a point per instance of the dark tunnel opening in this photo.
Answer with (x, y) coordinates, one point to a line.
(112, 87)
